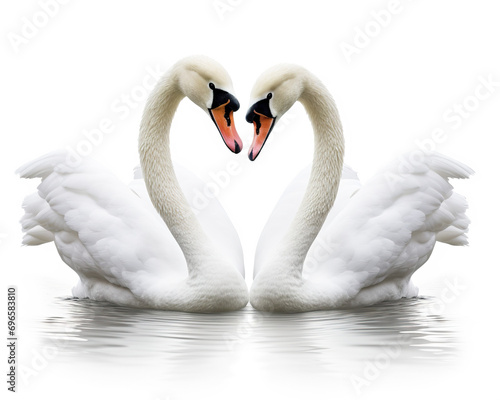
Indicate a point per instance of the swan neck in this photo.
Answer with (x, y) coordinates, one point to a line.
(323, 182)
(159, 176)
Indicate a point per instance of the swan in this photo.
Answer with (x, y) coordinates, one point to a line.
(143, 246)
(365, 249)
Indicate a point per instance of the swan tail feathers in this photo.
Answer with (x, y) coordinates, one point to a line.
(40, 222)
(444, 209)
(35, 221)
(43, 166)
(449, 168)
(456, 233)
(455, 205)
(37, 236)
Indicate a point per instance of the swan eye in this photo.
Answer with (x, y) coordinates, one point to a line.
(269, 96)
(211, 86)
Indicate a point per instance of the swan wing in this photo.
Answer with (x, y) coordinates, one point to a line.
(120, 249)
(111, 234)
(287, 206)
(369, 250)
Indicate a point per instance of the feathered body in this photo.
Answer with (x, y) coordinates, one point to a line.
(365, 249)
(143, 245)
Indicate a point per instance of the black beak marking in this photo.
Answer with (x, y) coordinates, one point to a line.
(221, 97)
(261, 107)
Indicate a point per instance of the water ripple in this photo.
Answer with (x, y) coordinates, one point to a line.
(324, 338)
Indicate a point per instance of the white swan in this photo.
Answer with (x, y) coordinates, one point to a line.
(117, 242)
(367, 247)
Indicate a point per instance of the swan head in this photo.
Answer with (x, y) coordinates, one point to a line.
(207, 84)
(273, 94)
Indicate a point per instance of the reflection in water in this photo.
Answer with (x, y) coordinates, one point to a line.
(178, 347)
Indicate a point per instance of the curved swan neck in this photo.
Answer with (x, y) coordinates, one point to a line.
(159, 176)
(323, 182)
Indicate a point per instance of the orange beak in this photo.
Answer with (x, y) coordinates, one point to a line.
(263, 126)
(223, 118)
(263, 122)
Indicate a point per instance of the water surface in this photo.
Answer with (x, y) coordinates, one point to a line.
(178, 355)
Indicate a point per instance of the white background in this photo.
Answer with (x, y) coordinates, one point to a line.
(393, 92)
